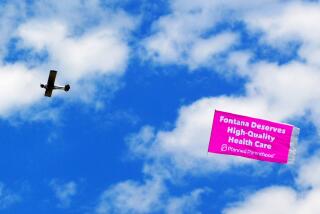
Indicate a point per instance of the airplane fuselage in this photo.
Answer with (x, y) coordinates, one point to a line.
(54, 87)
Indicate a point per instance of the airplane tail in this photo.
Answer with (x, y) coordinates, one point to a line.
(67, 87)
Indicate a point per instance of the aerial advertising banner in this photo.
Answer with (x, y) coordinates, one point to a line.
(253, 138)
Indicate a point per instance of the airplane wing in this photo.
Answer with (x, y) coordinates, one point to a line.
(48, 92)
(51, 79)
(50, 84)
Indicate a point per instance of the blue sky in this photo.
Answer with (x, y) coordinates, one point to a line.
(132, 134)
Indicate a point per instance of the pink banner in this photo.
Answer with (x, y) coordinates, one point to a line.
(253, 138)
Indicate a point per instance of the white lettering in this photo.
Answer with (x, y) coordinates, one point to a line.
(258, 144)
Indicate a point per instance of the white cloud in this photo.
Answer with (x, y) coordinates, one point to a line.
(132, 197)
(289, 90)
(151, 196)
(174, 46)
(284, 199)
(278, 200)
(309, 172)
(204, 50)
(296, 22)
(183, 36)
(19, 87)
(271, 200)
(186, 203)
(70, 11)
(64, 192)
(99, 51)
(7, 198)
(8, 22)
(179, 37)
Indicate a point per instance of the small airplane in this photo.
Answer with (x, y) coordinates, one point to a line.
(50, 84)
